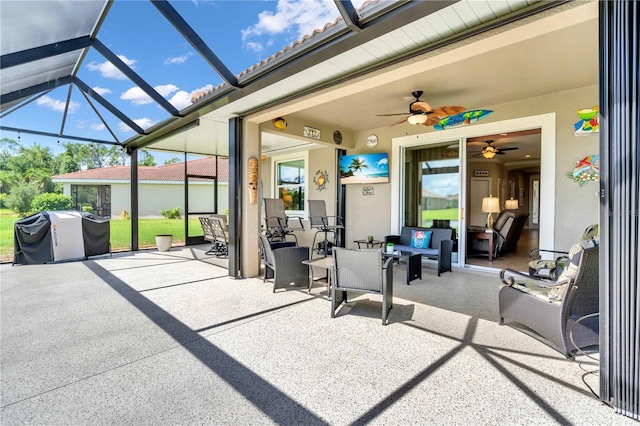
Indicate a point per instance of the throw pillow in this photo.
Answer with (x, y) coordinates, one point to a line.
(420, 239)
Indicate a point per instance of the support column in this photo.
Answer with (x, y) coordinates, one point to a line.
(250, 256)
(134, 199)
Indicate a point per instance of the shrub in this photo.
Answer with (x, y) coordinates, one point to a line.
(86, 208)
(171, 213)
(124, 215)
(51, 202)
(20, 197)
(3, 197)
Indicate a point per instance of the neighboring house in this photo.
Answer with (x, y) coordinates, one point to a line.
(107, 191)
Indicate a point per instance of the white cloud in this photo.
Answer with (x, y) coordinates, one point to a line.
(101, 90)
(383, 163)
(178, 59)
(56, 105)
(182, 98)
(108, 70)
(97, 126)
(254, 46)
(297, 17)
(145, 123)
(138, 97)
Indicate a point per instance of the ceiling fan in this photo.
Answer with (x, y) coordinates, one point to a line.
(491, 151)
(421, 112)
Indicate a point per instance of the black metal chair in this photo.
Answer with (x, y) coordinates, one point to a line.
(319, 220)
(277, 225)
(284, 264)
(361, 271)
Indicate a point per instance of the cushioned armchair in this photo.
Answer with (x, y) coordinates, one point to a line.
(284, 264)
(552, 268)
(507, 230)
(361, 271)
(562, 312)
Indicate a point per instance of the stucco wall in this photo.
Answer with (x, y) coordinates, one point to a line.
(154, 197)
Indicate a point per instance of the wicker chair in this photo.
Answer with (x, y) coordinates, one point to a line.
(361, 271)
(284, 264)
(526, 300)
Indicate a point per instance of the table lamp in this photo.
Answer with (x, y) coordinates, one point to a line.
(490, 205)
(511, 204)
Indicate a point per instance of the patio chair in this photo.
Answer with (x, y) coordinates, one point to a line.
(319, 220)
(215, 232)
(284, 264)
(277, 225)
(552, 268)
(564, 312)
(361, 271)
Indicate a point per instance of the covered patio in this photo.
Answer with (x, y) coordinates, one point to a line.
(142, 343)
(98, 342)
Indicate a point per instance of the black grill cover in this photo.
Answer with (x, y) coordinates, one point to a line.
(32, 240)
(96, 232)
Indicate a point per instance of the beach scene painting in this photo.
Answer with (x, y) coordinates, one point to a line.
(364, 168)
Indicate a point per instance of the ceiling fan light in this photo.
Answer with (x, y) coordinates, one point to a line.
(489, 154)
(417, 119)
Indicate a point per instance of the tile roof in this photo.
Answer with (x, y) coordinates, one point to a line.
(296, 44)
(169, 172)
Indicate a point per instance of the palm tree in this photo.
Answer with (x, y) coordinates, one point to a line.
(357, 165)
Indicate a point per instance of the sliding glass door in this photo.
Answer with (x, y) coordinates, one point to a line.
(432, 187)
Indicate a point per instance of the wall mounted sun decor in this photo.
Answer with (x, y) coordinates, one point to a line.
(321, 180)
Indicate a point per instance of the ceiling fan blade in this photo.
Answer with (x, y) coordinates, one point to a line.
(508, 149)
(501, 153)
(391, 115)
(399, 121)
(432, 120)
(445, 111)
(420, 106)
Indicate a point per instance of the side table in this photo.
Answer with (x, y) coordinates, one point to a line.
(369, 244)
(482, 234)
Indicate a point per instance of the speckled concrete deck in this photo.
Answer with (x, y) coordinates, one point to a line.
(167, 338)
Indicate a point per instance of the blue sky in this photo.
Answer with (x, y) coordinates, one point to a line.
(241, 33)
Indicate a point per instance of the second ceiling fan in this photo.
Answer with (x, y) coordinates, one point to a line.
(491, 151)
(421, 112)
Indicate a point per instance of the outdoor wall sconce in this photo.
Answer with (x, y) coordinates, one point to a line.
(252, 177)
(279, 123)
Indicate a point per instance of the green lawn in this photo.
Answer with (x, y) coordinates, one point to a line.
(120, 232)
(451, 214)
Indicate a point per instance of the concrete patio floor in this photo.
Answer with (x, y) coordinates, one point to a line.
(168, 338)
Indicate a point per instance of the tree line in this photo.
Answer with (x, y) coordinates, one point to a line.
(26, 171)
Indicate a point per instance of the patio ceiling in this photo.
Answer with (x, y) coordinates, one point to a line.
(43, 48)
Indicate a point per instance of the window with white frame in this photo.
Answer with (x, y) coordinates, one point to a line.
(290, 182)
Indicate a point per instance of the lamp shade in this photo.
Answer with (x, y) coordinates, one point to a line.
(490, 205)
(417, 119)
(511, 204)
(488, 154)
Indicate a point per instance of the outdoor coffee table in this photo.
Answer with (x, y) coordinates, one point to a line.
(324, 263)
(413, 261)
